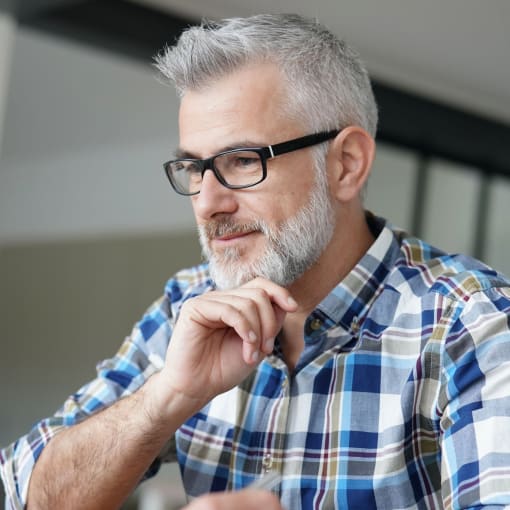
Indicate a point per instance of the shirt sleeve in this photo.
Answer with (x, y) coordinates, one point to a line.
(140, 356)
(474, 404)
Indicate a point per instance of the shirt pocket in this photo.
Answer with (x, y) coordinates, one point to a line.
(204, 450)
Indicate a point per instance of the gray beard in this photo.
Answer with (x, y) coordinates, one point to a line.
(292, 247)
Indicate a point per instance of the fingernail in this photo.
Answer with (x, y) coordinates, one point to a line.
(252, 336)
(255, 357)
(269, 345)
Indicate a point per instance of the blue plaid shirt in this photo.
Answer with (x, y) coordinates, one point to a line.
(401, 397)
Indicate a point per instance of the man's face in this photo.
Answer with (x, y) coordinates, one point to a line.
(278, 228)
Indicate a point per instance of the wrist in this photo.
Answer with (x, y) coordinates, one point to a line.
(166, 405)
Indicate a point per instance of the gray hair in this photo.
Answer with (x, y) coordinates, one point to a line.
(328, 85)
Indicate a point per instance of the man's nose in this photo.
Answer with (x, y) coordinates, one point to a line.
(214, 198)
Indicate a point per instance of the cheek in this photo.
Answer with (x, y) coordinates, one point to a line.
(282, 206)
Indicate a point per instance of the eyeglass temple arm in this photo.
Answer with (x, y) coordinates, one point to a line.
(301, 143)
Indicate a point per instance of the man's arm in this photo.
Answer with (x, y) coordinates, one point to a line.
(97, 463)
(215, 344)
(140, 355)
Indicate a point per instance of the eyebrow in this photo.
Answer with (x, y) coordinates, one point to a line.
(180, 153)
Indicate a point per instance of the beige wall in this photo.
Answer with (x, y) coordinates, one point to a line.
(67, 305)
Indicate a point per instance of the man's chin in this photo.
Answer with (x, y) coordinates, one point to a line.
(231, 274)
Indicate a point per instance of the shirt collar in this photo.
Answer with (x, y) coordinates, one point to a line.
(351, 299)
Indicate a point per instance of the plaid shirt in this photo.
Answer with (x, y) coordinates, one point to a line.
(400, 398)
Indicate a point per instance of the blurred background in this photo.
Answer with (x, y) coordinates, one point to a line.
(89, 227)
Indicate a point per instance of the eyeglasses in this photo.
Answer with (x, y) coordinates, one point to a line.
(236, 168)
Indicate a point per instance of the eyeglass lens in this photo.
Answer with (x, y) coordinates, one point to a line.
(237, 169)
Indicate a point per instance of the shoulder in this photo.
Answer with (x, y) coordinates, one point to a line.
(153, 330)
(188, 282)
(422, 269)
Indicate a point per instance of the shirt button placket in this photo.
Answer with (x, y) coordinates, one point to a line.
(269, 462)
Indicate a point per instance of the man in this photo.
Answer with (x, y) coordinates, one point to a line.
(365, 367)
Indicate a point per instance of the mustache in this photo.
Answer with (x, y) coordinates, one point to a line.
(220, 228)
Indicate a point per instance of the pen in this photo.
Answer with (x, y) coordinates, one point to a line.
(268, 481)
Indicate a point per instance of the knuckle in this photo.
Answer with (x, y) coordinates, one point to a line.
(260, 293)
(189, 307)
(251, 305)
(185, 308)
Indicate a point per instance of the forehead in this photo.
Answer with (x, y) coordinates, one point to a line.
(246, 104)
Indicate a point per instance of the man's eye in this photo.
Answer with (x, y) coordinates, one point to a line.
(186, 166)
(193, 168)
(246, 161)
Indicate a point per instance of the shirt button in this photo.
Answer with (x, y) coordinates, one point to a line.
(315, 324)
(267, 462)
(355, 325)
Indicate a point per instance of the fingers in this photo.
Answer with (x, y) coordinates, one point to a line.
(276, 303)
(252, 315)
(248, 314)
(267, 306)
(278, 295)
(254, 311)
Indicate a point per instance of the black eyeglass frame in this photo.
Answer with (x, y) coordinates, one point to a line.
(264, 153)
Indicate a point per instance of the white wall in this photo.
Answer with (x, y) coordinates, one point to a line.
(452, 205)
(85, 135)
(390, 189)
(7, 31)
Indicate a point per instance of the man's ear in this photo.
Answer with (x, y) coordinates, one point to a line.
(351, 155)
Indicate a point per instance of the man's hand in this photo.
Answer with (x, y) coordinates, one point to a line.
(96, 463)
(220, 336)
(247, 499)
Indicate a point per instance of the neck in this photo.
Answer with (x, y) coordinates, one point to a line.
(349, 243)
(351, 240)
